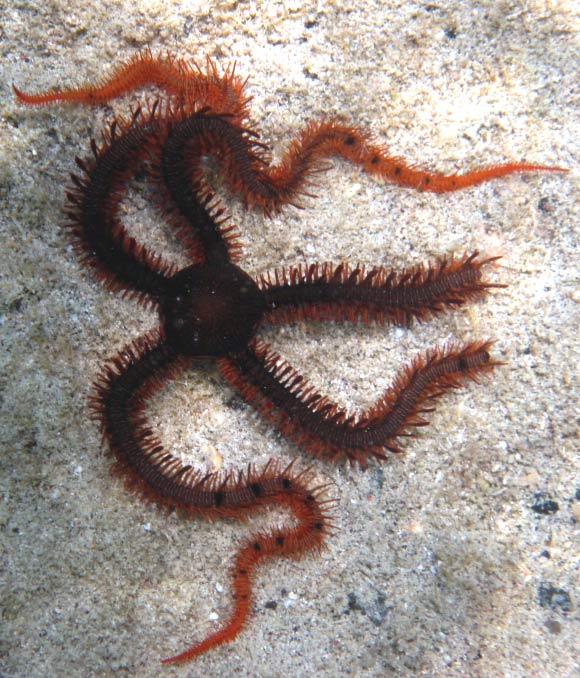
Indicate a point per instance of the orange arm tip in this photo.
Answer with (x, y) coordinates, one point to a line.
(545, 168)
(36, 99)
(19, 95)
(28, 99)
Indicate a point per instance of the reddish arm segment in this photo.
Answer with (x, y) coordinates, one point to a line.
(313, 525)
(221, 92)
(326, 138)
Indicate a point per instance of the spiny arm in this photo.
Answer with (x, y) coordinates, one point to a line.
(222, 92)
(329, 292)
(326, 430)
(92, 208)
(320, 140)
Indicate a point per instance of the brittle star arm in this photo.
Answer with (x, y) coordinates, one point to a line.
(341, 292)
(326, 430)
(222, 92)
(118, 402)
(322, 139)
(93, 206)
(195, 209)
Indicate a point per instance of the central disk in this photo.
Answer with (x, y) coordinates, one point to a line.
(211, 310)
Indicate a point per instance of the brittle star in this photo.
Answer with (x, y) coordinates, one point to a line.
(212, 309)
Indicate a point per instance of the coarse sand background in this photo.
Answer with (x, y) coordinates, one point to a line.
(460, 557)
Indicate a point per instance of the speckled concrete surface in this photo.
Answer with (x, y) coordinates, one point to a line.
(459, 558)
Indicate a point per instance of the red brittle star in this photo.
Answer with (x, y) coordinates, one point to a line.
(212, 309)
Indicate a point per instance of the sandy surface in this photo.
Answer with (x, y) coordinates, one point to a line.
(460, 557)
